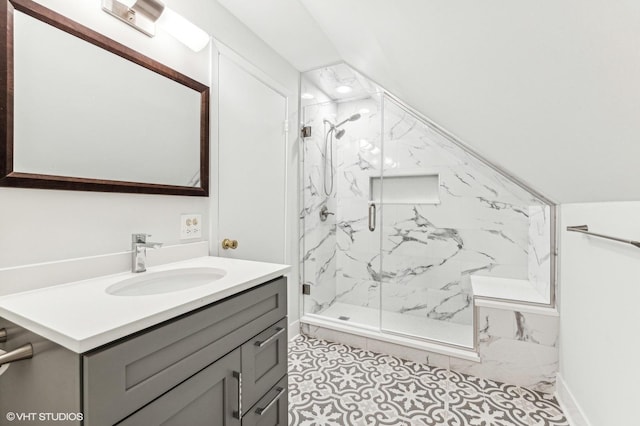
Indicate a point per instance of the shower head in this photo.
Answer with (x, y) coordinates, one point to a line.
(340, 133)
(332, 126)
(354, 117)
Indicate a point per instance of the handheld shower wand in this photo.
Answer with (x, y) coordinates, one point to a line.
(328, 149)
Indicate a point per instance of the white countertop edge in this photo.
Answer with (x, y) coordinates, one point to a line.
(508, 289)
(515, 306)
(39, 329)
(81, 345)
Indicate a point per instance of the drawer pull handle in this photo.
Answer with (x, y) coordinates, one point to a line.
(261, 343)
(3, 335)
(238, 376)
(261, 411)
(18, 354)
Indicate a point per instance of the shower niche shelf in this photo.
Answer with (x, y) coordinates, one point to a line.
(405, 189)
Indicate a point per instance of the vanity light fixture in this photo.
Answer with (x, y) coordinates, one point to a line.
(143, 15)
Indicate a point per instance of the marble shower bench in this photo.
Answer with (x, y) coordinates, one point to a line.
(517, 334)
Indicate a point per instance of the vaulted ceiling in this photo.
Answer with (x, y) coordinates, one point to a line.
(548, 90)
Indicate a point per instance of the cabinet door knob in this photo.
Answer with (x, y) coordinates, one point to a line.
(229, 244)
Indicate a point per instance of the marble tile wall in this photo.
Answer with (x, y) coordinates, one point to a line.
(540, 249)
(482, 224)
(515, 347)
(419, 259)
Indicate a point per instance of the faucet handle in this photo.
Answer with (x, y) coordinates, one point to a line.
(139, 238)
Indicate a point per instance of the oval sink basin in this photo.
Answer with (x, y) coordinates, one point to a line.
(150, 283)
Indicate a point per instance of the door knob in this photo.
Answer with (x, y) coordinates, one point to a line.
(229, 244)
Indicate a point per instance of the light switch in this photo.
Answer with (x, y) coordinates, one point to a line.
(190, 226)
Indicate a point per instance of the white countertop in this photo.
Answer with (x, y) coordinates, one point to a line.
(81, 316)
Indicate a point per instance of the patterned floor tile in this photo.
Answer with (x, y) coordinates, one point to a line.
(335, 385)
(543, 409)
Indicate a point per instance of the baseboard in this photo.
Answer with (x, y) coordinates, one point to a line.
(570, 407)
(294, 330)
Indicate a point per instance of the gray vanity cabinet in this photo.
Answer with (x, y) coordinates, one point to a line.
(221, 365)
(125, 376)
(172, 369)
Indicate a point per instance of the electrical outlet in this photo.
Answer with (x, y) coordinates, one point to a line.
(190, 226)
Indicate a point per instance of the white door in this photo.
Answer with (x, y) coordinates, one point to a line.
(252, 165)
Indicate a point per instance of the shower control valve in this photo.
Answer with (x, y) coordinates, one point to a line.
(324, 213)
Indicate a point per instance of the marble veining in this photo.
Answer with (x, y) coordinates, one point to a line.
(420, 256)
(515, 346)
(540, 249)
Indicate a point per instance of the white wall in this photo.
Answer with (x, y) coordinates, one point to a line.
(40, 225)
(599, 295)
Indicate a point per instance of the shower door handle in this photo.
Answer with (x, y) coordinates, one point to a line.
(372, 217)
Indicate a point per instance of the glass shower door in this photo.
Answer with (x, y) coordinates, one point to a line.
(340, 234)
(425, 293)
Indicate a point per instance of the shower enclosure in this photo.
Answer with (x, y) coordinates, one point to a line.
(398, 219)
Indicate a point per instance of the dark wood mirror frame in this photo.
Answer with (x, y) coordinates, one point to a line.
(10, 178)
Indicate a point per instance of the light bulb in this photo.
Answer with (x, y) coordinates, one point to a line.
(307, 96)
(179, 27)
(343, 89)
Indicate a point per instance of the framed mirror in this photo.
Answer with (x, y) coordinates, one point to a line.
(80, 111)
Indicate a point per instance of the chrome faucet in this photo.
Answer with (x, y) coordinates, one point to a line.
(139, 247)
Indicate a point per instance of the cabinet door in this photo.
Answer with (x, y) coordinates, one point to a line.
(264, 362)
(270, 410)
(209, 398)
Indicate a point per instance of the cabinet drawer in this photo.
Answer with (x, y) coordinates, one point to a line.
(208, 398)
(270, 410)
(121, 379)
(264, 362)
